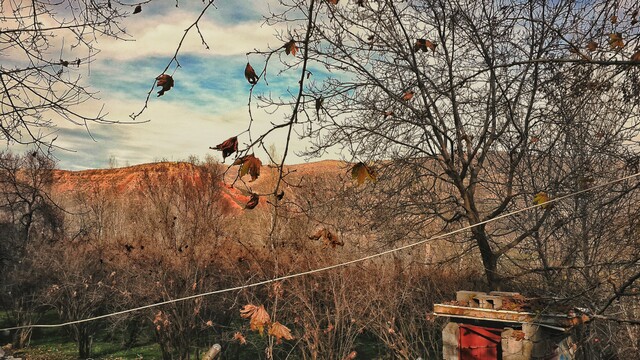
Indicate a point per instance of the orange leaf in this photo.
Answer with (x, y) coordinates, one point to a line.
(250, 74)
(238, 336)
(592, 45)
(334, 2)
(166, 81)
(424, 44)
(228, 147)
(280, 332)
(291, 47)
(352, 355)
(408, 95)
(259, 317)
(249, 165)
(362, 172)
(541, 198)
(635, 56)
(616, 41)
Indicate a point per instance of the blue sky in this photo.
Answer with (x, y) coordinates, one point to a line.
(208, 103)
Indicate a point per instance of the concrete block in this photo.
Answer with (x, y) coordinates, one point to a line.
(450, 335)
(466, 296)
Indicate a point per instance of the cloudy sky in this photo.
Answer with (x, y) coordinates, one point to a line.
(208, 103)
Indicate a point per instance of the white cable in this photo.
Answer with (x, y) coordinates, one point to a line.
(330, 267)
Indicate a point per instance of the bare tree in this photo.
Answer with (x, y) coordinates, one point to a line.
(465, 98)
(45, 46)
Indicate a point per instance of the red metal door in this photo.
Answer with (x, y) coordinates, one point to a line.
(477, 342)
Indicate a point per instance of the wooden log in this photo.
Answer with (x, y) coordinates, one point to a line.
(213, 352)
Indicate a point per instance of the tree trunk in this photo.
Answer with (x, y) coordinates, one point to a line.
(489, 258)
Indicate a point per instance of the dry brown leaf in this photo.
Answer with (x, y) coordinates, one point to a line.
(362, 172)
(616, 41)
(228, 147)
(238, 336)
(592, 46)
(614, 19)
(166, 81)
(334, 2)
(137, 9)
(249, 164)
(250, 74)
(408, 95)
(280, 332)
(258, 315)
(635, 56)
(291, 47)
(253, 201)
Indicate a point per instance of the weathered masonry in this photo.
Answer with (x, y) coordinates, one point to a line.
(501, 325)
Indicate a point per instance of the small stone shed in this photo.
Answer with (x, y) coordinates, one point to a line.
(508, 326)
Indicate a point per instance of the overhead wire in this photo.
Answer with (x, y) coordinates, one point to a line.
(326, 268)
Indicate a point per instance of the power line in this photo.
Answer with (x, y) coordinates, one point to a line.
(326, 268)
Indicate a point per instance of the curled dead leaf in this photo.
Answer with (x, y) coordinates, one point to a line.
(137, 9)
(592, 46)
(424, 44)
(362, 172)
(253, 201)
(280, 332)
(636, 56)
(250, 74)
(616, 41)
(258, 316)
(249, 164)
(166, 81)
(227, 147)
(291, 47)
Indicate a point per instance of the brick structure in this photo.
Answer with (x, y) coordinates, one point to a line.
(506, 326)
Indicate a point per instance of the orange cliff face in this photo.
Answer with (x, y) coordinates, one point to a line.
(129, 180)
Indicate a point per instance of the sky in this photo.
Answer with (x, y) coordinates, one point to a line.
(208, 103)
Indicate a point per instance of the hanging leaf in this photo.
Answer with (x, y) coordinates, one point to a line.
(253, 201)
(250, 74)
(541, 198)
(636, 56)
(228, 147)
(408, 95)
(291, 47)
(138, 9)
(334, 2)
(424, 44)
(592, 46)
(280, 332)
(388, 114)
(319, 102)
(360, 3)
(166, 81)
(616, 41)
(362, 172)
(280, 195)
(614, 19)
(249, 164)
(258, 315)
